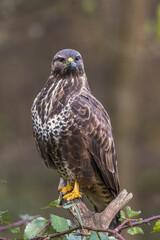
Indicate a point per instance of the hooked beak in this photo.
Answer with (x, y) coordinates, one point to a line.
(71, 62)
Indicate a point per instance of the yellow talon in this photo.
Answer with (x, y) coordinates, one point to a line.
(74, 194)
(65, 189)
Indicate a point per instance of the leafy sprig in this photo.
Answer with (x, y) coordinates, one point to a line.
(61, 228)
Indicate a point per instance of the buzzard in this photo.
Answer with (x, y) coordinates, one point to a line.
(73, 133)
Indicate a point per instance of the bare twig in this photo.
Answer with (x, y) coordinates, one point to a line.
(112, 232)
(16, 224)
(119, 227)
(144, 221)
(47, 225)
(3, 238)
(70, 230)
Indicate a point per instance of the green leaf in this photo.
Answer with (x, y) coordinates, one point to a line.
(104, 237)
(15, 230)
(54, 203)
(66, 206)
(26, 216)
(94, 236)
(131, 231)
(50, 230)
(132, 213)
(58, 223)
(79, 216)
(128, 210)
(70, 223)
(123, 217)
(3, 212)
(34, 227)
(139, 230)
(135, 230)
(85, 238)
(140, 220)
(112, 238)
(156, 227)
(73, 236)
(6, 223)
(101, 236)
(4, 216)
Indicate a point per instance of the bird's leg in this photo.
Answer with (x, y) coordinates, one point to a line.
(74, 194)
(65, 189)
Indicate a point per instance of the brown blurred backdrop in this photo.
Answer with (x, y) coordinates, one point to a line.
(119, 43)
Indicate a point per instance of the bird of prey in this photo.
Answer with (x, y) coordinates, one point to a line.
(73, 133)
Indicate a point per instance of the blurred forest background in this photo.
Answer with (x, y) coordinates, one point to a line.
(119, 41)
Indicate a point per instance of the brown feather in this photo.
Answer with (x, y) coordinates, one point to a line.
(99, 140)
(73, 131)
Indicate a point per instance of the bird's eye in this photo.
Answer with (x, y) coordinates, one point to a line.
(61, 59)
(77, 58)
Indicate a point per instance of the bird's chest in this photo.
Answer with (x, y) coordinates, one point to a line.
(55, 128)
(53, 135)
(59, 135)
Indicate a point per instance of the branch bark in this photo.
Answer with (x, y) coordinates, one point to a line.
(103, 219)
(99, 220)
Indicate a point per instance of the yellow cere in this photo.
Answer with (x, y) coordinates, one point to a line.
(70, 59)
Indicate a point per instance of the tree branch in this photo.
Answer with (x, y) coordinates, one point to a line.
(103, 219)
(16, 224)
(144, 221)
(70, 230)
(94, 229)
(3, 238)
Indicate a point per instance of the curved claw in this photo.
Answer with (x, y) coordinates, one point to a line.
(62, 191)
(61, 198)
(65, 189)
(74, 194)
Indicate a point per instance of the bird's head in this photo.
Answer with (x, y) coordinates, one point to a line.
(67, 62)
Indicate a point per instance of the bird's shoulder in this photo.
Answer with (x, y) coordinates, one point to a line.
(92, 117)
(85, 103)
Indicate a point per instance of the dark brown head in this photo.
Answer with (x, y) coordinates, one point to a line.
(67, 62)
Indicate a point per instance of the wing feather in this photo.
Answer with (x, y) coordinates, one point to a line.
(98, 139)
